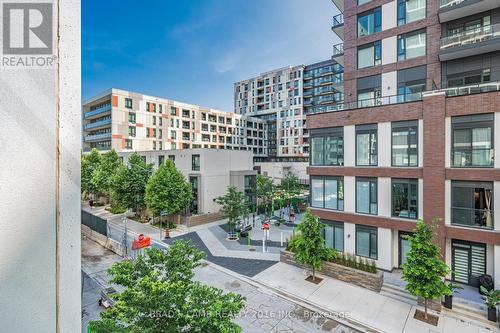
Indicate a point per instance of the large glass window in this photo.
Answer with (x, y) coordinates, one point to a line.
(405, 143)
(128, 103)
(405, 198)
(412, 45)
(472, 204)
(327, 147)
(472, 141)
(366, 242)
(366, 195)
(194, 186)
(370, 55)
(366, 145)
(195, 162)
(327, 192)
(370, 97)
(410, 10)
(369, 22)
(411, 91)
(333, 233)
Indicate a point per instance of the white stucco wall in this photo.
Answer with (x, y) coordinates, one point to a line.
(421, 143)
(497, 140)
(384, 196)
(350, 238)
(40, 144)
(389, 83)
(389, 50)
(447, 201)
(385, 249)
(389, 15)
(350, 145)
(496, 204)
(447, 140)
(277, 170)
(384, 144)
(350, 194)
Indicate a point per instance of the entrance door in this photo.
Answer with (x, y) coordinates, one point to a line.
(404, 247)
(468, 262)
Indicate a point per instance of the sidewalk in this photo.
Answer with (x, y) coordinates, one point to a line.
(377, 311)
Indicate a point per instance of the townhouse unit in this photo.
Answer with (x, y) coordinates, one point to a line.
(210, 172)
(415, 136)
(128, 121)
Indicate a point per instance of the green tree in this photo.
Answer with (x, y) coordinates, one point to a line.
(89, 163)
(424, 270)
(264, 190)
(103, 175)
(167, 190)
(310, 247)
(290, 186)
(234, 205)
(160, 296)
(129, 185)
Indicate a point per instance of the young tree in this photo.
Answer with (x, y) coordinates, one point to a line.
(290, 186)
(129, 185)
(103, 175)
(160, 296)
(89, 163)
(234, 205)
(424, 270)
(167, 190)
(310, 247)
(264, 190)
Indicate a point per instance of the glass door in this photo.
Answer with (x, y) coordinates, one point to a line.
(404, 248)
(468, 262)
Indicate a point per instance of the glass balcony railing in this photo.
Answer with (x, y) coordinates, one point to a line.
(102, 109)
(476, 218)
(98, 124)
(449, 3)
(468, 90)
(471, 36)
(338, 20)
(472, 157)
(98, 137)
(338, 49)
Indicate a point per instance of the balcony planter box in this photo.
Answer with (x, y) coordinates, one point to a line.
(492, 314)
(448, 302)
(371, 281)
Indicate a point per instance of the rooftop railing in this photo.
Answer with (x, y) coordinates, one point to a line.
(471, 36)
(449, 3)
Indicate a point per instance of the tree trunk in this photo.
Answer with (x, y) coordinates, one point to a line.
(425, 307)
(314, 274)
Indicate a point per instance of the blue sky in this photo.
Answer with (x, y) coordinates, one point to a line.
(193, 51)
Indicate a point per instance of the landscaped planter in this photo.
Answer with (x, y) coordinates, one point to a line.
(492, 314)
(372, 281)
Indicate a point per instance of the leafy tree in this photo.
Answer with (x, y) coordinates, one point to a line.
(160, 296)
(290, 186)
(89, 163)
(167, 190)
(129, 185)
(103, 175)
(424, 270)
(264, 190)
(234, 205)
(310, 247)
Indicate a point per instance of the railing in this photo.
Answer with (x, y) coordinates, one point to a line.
(471, 36)
(97, 137)
(98, 124)
(338, 49)
(100, 110)
(467, 90)
(472, 157)
(370, 102)
(477, 218)
(338, 20)
(450, 3)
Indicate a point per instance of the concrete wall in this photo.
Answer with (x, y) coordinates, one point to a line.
(40, 185)
(278, 170)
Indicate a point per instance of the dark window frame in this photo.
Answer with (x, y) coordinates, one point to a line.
(337, 132)
(407, 182)
(340, 191)
(195, 162)
(377, 21)
(371, 231)
(409, 125)
(370, 180)
(367, 129)
(336, 225)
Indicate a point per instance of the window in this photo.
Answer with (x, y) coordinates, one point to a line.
(128, 143)
(128, 103)
(472, 204)
(370, 55)
(405, 143)
(366, 242)
(333, 233)
(362, 2)
(154, 120)
(472, 141)
(172, 158)
(161, 160)
(327, 147)
(410, 10)
(173, 111)
(369, 22)
(366, 195)
(173, 135)
(412, 45)
(131, 131)
(193, 180)
(327, 192)
(405, 198)
(410, 91)
(131, 118)
(366, 145)
(195, 162)
(369, 97)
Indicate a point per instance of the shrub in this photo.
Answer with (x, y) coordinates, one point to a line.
(116, 210)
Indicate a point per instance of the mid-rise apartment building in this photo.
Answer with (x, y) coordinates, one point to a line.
(415, 136)
(323, 86)
(128, 121)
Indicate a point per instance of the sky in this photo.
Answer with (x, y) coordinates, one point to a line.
(193, 51)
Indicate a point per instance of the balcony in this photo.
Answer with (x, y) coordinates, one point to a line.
(338, 25)
(338, 53)
(469, 217)
(339, 4)
(97, 112)
(468, 43)
(97, 124)
(98, 137)
(468, 90)
(454, 9)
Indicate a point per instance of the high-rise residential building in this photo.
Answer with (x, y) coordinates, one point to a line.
(128, 121)
(415, 135)
(277, 98)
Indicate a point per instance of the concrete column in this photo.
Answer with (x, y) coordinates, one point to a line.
(384, 146)
(40, 142)
(350, 194)
(385, 248)
(349, 146)
(349, 238)
(384, 196)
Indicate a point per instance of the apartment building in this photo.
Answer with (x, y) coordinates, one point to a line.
(415, 136)
(128, 121)
(209, 177)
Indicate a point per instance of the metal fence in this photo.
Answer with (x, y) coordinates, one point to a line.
(95, 223)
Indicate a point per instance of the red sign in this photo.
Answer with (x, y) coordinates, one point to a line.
(266, 226)
(141, 242)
